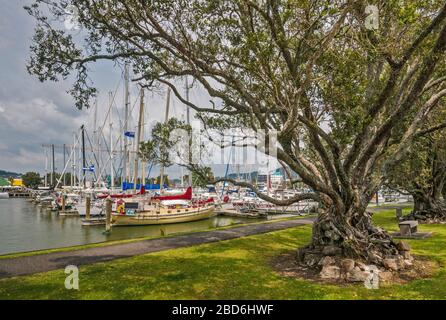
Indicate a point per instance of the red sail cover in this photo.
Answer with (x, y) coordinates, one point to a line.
(185, 196)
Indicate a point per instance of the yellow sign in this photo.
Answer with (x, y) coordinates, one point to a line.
(17, 182)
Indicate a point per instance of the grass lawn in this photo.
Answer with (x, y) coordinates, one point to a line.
(234, 269)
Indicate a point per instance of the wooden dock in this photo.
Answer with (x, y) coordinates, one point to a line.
(20, 194)
(68, 213)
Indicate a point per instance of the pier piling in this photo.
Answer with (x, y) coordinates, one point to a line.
(87, 207)
(108, 209)
(63, 202)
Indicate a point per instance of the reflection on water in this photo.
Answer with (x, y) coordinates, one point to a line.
(25, 227)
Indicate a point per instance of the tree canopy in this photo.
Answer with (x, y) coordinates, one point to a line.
(31, 180)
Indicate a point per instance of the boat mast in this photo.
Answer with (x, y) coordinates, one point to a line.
(73, 162)
(110, 123)
(84, 162)
(143, 163)
(138, 139)
(190, 134)
(126, 119)
(53, 166)
(64, 163)
(46, 167)
(165, 121)
(95, 135)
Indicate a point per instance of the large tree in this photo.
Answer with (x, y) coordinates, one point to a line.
(422, 172)
(335, 87)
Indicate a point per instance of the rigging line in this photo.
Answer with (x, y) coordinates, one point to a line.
(94, 155)
(107, 150)
(110, 108)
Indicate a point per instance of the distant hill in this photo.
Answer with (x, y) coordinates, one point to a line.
(7, 174)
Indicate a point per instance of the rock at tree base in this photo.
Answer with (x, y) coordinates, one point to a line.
(403, 246)
(390, 264)
(361, 265)
(332, 263)
(347, 265)
(385, 276)
(325, 261)
(330, 272)
(357, 275)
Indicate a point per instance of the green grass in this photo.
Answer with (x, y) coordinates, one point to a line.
(234, 269)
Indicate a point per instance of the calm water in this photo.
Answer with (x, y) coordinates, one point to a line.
(24, 227)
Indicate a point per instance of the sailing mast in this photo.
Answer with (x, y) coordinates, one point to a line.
(190, 134)
(96, 136)
(138, 139)
(126, 119)
(84, 160)
(110, 122)
(46, 167)
(165, 121)
(53, 167)
(73, 162)
(143, 163)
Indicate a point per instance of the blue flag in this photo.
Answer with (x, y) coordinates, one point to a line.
(130, 134)
(90, 168)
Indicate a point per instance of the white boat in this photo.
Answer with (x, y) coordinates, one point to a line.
(95, 209)
(4, 195)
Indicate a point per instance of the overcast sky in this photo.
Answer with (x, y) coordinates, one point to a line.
(34, 113)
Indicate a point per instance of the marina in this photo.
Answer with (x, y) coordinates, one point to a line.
(238, 151)
(25, 227)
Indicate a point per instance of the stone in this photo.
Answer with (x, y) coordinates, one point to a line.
(407, 263)
(406, 255)
(385, 276)
(390, 264)
(331, 251)
(403, 246)
(325, 261)
(357, 275)
(330, 272)
(360, 265)
(400, 262)
(374, 257)
(347, 265)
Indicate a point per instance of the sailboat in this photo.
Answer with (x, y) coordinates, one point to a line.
(162, 210)
(145, 209)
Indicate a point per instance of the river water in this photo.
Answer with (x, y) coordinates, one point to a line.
(25, 227)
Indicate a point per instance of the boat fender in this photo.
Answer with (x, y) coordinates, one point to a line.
(120, 208)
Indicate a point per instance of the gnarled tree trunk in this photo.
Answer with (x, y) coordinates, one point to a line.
(349, 234)
(345, 242)
(428, 207)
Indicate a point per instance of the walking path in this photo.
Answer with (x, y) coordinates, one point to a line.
(58, 260)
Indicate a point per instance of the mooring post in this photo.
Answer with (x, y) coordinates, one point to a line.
(63, 202)
(108, 209)
(87, 207)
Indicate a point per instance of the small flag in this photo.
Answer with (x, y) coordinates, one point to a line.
(90, 168)
(130, 134)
